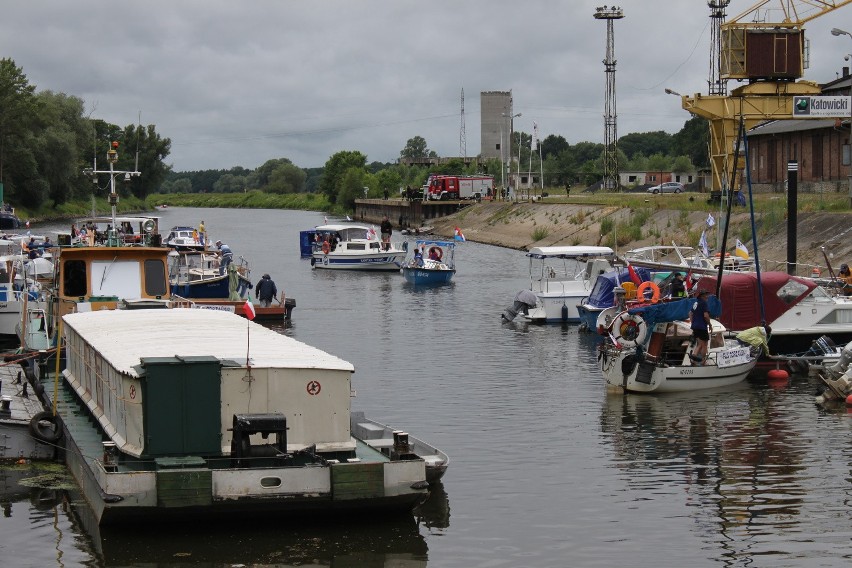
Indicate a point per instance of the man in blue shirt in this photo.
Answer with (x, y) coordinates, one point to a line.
(700, 323)
(226, 256)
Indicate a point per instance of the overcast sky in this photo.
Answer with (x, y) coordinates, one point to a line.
(240, 82)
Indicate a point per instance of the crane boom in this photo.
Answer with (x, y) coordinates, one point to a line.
(763, 45)
(794, 13)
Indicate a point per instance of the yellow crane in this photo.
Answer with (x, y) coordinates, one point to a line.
(765, 46)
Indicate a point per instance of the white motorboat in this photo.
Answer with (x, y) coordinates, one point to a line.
(184, 238)
(648, 350)
(560, 277)
(798, 309)
(350, 247)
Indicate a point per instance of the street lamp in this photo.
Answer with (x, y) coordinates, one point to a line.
(511, 118)
(839, 32)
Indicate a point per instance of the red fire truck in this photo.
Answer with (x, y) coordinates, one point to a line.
(441, 187)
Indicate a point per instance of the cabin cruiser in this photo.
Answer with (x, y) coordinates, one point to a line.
(350, 247)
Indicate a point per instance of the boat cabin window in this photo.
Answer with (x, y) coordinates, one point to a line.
(374, 246)
(155, 278)
(791, 290)
(74, 278)
(355, 246)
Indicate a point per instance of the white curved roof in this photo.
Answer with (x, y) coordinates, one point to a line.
(122, 337)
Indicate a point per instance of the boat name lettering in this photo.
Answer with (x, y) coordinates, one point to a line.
(732, 357)
(214, 307)
(686, 371)
(314, 388)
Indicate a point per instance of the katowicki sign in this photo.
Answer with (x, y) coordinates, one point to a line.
(823, 106)
(732, 357)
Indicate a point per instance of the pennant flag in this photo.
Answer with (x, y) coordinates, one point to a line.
(459, 235)
(687, 282)
(28, 224)
(248, 308)
(371, 233)
(741, 250)
(348, 218)
(634, 277)
(325, 220)
(534, 142)
(710, 220)
(703, 243)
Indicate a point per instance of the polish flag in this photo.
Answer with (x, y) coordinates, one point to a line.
(248, 308)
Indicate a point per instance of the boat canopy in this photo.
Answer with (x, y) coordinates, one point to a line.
(781, 291)
(602, 295)
(578, 252)
(430, 243)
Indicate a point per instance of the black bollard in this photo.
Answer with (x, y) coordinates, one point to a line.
(792, 206)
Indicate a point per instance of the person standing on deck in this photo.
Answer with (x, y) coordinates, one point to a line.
(226, 256)
(266, 291)
(700, 323)
(387, 231)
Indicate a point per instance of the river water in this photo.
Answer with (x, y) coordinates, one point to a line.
(547, 469)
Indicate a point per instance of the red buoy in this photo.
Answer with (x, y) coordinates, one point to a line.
(849, 400)
(777, 375)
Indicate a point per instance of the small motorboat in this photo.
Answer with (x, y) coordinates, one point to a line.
(184, 238)
(350, 247)
(430, 263)
(560, 277)
(647, 349)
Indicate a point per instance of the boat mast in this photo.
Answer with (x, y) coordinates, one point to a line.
(112, 158)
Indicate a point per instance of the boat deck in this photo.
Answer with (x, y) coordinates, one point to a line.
(15, 439)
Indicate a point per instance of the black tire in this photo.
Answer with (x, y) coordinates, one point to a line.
(677, 190)
(656, 191)
(45, 427)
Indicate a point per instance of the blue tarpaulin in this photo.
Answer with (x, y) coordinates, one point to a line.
(674, 311)
(602, 295)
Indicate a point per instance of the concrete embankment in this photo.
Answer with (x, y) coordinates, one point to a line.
(525, 225)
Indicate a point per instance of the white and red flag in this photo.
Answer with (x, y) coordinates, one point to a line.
(248, 308)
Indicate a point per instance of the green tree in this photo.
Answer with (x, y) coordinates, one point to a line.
(390, 180)
(286, 178)
(682, 164)
(144, 151)
(416, 148)
(352, 183)
(646, 142)
(694, 141)
(59, 145)
(18, 110)
(553, 145)
(229, 183)
(335, 167)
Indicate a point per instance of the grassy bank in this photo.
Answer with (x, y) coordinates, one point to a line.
(248, 200)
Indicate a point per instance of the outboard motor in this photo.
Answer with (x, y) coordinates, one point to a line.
(524, 300)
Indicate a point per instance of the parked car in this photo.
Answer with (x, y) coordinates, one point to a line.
(668, 187)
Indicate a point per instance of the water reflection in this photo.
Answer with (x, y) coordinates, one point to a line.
(332, 541)
(736, 455)
(434, 514)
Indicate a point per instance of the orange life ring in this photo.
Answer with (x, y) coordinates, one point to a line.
(655, 291)
(326, 248)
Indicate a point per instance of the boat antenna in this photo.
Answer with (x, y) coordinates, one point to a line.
(730, 195)
(138, 128)
(753, 224)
